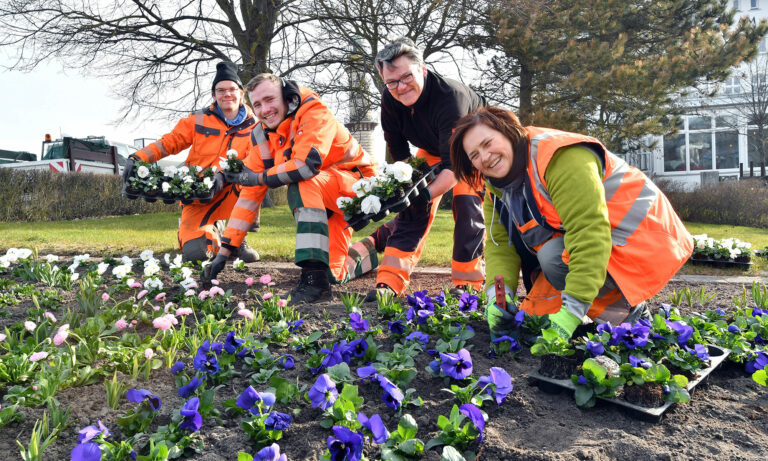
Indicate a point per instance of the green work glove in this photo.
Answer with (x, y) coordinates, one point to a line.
(564, 323)
(501, 322)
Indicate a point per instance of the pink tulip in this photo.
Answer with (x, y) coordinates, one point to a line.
(265, 279)
(148, 353)
(38, 356)
(266, 295)
(30, 325)
(247, 313)
(160, 297)
(50, 317)
(249, 281)
(61, 335)
(105, 297)
(121, 324)
(282, 302)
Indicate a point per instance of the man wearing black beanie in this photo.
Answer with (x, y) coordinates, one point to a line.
(209, 133)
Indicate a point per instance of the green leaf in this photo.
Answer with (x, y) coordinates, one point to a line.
(285, 391)
(549, 335)
(407, 427)
(412, 447)
(340, 373)
(314, 337)
(436, 442)
(388, 454)
(760, 377)
(244, 457)
(590, 367)
(443, 422)
(582, 395)
(451, 454)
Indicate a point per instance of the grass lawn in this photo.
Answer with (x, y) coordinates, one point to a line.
(120, 235)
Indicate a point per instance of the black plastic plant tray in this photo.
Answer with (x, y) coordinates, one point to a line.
(721, 263)
(359, 221)
(168, 200)
(717, 356)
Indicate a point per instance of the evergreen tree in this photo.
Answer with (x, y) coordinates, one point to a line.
(612, 68)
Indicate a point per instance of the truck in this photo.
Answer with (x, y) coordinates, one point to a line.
(93, 154)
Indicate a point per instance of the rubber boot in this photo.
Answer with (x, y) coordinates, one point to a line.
(313, 286)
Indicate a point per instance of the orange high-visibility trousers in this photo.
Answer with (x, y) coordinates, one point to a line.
(197, 219)
(409, 232)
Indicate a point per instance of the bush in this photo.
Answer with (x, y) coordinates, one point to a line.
(743, 203)
(38, 195)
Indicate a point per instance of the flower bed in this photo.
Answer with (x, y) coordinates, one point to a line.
(390, 192)
(130, 321)
(186, 184)
(725, 253)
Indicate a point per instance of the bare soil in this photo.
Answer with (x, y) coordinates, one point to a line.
(727, 417)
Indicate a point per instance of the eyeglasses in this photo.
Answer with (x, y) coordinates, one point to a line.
(223, 91)
(405, 79)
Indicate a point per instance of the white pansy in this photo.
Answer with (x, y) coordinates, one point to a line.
(187, 283)
(182, 170)
(361, 187)
(102, 267)
(79, 259)
(401, 171)
(51, 258)
(121, 271)
(231, 154)
(208, 182)
(223, 164)
(169, 171)
(73, 267)
(153, 283)
(238, 264)
(214, 168)
(126, 261)
(343, 202)
(142, 172)
(151, 268)
(189, 179)
(74, 276)
(146, 255)
(167, 259)
(5, 263)
(166, 186)
(371, 204)
(129, 281)
(23, 253)
(186, 272)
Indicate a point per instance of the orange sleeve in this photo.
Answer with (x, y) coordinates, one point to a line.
(172, 143)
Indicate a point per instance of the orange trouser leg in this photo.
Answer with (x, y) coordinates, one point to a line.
(196, 217)
(468, 264)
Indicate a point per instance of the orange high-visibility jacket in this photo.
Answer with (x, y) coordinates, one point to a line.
(649, 241)
(309, 140)
(209, 136)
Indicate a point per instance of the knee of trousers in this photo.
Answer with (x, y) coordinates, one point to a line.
(550, 257)
(195, 249)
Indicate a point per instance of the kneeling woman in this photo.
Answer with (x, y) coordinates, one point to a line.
(592, 235)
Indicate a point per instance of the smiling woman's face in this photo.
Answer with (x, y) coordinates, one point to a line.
(489, 151)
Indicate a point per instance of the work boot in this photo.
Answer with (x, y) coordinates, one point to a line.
(246, 253)
(457, 291)
(313, 287)
(382, 288)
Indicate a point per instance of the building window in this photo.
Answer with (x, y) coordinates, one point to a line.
(732, 85)
(674, 152)
(700, 151)
(736, 5)
(753, 4)
(753, 143)
(726, 149)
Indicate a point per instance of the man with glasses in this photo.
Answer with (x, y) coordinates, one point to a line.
(209, 133)
(299, 143)
(421, 107)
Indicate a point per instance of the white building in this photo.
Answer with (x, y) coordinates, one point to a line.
(713, 134)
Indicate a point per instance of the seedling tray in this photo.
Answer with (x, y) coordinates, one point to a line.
(359, 221)
(721, 263)
(168, 200)
(717, 356)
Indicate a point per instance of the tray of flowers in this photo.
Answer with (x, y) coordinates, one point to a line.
(187, 183)
(390, 192)
(644, 373)
(724, 253)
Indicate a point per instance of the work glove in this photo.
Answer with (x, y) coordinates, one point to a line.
(247, 177)
(128, 167)
(565, 321)
(501, 322)
(421, 202)
(212, 270)
(218, 183)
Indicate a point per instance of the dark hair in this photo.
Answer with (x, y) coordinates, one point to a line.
(501, 120)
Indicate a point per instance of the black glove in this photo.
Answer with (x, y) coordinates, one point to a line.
(212, 270)
(218, 183)
(128, 167)
(245, 178)
(421, 202)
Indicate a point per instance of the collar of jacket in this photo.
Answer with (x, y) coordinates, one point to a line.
(249, 119)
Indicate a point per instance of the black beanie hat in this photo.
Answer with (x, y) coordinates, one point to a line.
(226, 70)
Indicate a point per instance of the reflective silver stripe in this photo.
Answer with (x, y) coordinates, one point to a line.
(239, 224)
(534, 154)
(305, 171)
(259, 139)
(474, 276)
(612, 183)
(397, 263)
(310, 215)
(199, 118)
(250, 205)
(310, 241)
(637, 212)
(284, 178)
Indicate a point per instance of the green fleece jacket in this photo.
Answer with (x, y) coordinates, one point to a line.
(574, 181)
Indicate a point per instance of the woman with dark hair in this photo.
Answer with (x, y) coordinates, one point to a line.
(592, 235)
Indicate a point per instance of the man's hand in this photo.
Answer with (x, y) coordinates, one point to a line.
(218, 183)
(421, 202)
(212, 270)
(501, 322)
(128, 167)
(245, 178)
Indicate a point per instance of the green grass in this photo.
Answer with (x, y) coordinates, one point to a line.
(115, 236)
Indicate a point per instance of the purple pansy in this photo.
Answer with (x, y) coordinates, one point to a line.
(734, 329)
(756, 361)
(595, 348)
(355, 348)
(86, 452)
(501, 384)
(140, 395)
(638, 363)
(205, 359)
(358, 323)
(476, 416)
(513, 344)
(582, 380)
(457, 366)
(249, 398)
(420, 300)
(397, 327)
(376, 426)
(699, 350)
(277, 421)
(187, 390)
(345, 444)
(423, 338)
(392, 396)
(192, 419)
(287, 361)
(177, 368)
(231, 343)
(270, 453)
(468, 302)
(323, 393)
(89, 433)
(293, 327)
(519, 318)
(682, 331)
(632, 336)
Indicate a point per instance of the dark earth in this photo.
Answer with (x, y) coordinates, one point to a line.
(727, 417)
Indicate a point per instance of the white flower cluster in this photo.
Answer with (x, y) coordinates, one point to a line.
(728, 248)
(76, 261)
(238, 264)
(13, 255)
(185, 174)
(226, 163)
(373, 190)
(153, 283)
